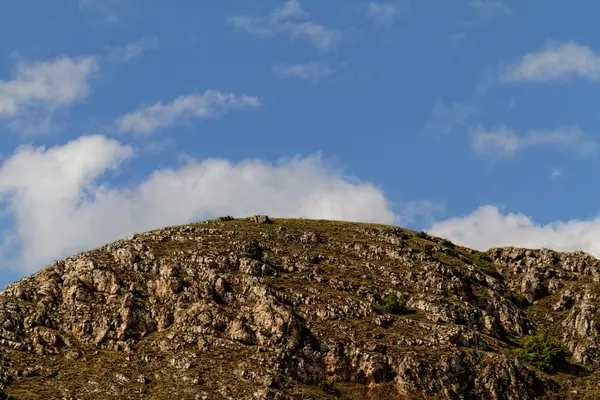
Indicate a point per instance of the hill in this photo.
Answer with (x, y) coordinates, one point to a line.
(302, 309)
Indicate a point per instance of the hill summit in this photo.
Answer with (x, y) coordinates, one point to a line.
(261, 308)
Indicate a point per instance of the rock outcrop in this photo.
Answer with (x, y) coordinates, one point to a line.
(295, 309)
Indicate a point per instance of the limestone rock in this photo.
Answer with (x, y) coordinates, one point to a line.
(261, 219)
(296, 310)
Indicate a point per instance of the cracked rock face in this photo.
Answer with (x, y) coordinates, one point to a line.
(267, 308)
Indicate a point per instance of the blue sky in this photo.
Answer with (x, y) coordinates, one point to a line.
(472, 119)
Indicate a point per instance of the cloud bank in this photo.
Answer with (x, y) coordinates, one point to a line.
(61, 201)
(489, 226)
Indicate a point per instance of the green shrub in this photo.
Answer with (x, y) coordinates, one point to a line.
(484, 257)
(520, 298)
(392, 304)
(422, 235)
(543, 353)
(427, 248)
(447, 243)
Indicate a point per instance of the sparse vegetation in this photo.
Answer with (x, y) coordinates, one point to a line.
(322, 289)
(543, 353)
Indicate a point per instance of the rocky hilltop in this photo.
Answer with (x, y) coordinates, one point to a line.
(302, 309)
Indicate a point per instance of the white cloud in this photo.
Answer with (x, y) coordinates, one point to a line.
(134, 49)
(555, 61)
(488, 227)
(211, 103)
(61, 203)
(312, 71)
(383, 14)
(504, 142)
(288, 19)
(40, 88)
(446, 118)
(43, 187)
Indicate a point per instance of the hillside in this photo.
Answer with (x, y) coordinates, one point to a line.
(299, 309)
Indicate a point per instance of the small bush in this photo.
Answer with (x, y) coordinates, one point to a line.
(484, 257)
(520, 298)
(543, 353)
(447, 243)
(422, 235)
(392, 304)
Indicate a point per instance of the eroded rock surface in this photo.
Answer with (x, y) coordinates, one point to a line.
(266, 308)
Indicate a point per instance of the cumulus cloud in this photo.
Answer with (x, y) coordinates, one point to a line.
(383, 14)
(555, 61)
(62, 201)
(313, 71)
(489, 227)
(288, 19)
(211, 103)
(505, 142)
(40, 88)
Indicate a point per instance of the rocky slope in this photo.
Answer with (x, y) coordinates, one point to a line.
(298, 309)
